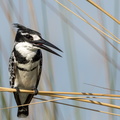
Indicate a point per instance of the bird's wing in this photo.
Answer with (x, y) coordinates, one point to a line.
(39, 71)
(12, 67)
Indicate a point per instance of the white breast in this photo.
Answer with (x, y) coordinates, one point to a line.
(26, 50)
(26, 79)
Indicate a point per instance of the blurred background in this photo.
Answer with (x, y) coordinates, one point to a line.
(88, 64)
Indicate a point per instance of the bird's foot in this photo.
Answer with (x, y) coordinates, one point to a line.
(36, 91)
(17, 90)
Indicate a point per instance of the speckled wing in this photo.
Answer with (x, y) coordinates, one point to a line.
(12, 67)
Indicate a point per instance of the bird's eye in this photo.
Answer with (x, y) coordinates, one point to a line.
(29, 37)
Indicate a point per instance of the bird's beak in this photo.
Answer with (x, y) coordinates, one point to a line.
(43, 45)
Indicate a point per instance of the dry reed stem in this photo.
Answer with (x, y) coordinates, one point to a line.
(32, 103)
(99, 25)
(88, 101)
(102, 87)
(87, 22)
(53, 100)
(3, 89)
(53, 94)
(94, 20)
(81, 107)
(97, 6)
(48, 93)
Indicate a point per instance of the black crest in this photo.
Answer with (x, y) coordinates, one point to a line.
(25, 29)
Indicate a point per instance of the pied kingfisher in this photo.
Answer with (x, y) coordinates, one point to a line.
(25, 64)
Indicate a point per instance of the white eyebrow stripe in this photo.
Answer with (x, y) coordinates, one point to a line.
(35, 37)
(24, 33)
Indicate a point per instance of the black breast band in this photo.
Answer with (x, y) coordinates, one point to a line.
(23, 69)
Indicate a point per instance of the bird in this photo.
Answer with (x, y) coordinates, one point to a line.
(25, 65)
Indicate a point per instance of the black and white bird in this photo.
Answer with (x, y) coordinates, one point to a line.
(25, 64)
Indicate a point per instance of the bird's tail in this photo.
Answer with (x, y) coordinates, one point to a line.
(23, 111)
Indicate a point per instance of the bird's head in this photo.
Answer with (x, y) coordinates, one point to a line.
(34, 38)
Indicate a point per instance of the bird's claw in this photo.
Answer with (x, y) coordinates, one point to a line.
(35, 91)
(17, 90)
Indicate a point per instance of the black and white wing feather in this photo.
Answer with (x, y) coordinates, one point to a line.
(12, 67)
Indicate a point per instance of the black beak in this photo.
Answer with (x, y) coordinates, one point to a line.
(43, 43)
